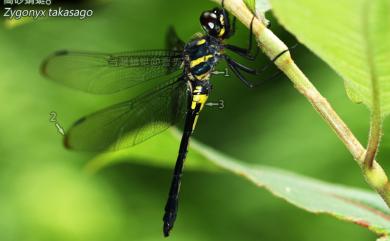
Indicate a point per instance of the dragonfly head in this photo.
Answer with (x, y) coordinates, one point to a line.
(216, 23)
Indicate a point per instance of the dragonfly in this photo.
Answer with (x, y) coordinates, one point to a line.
(182, 72)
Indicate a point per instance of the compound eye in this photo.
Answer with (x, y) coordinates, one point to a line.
(208, 19)
(210, 22)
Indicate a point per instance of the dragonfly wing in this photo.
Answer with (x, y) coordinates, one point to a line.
(172, 40)
(131, 122)
(101, 73)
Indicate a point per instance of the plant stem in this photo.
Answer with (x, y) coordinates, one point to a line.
(374, 139)
(272, 46)
(376, 120)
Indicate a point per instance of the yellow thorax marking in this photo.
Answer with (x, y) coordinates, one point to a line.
(200, 60)
(222, 20)
(200, 42)
(222, 32)
(204, 76)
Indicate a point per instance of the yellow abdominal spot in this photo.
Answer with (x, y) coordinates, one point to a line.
(201, 99)
(195, 121)
(198, 89)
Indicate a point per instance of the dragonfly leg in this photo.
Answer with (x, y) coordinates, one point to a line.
(258, 72)
(232, 30)
(236, 67)
(244, 52)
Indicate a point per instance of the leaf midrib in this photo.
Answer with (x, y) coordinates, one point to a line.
(376, 109)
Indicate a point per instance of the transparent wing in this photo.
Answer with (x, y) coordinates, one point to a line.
(101, 73)
(172, 40)
(131, 122)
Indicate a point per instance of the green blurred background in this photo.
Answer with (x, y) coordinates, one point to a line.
(45, 193)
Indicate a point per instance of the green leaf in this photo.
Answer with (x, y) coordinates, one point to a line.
(346, 203)
(251, 4)
(350, 204)
(160, 151)
(258, 6)
(352, 36)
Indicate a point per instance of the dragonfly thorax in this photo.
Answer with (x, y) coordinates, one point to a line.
(200, 57)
